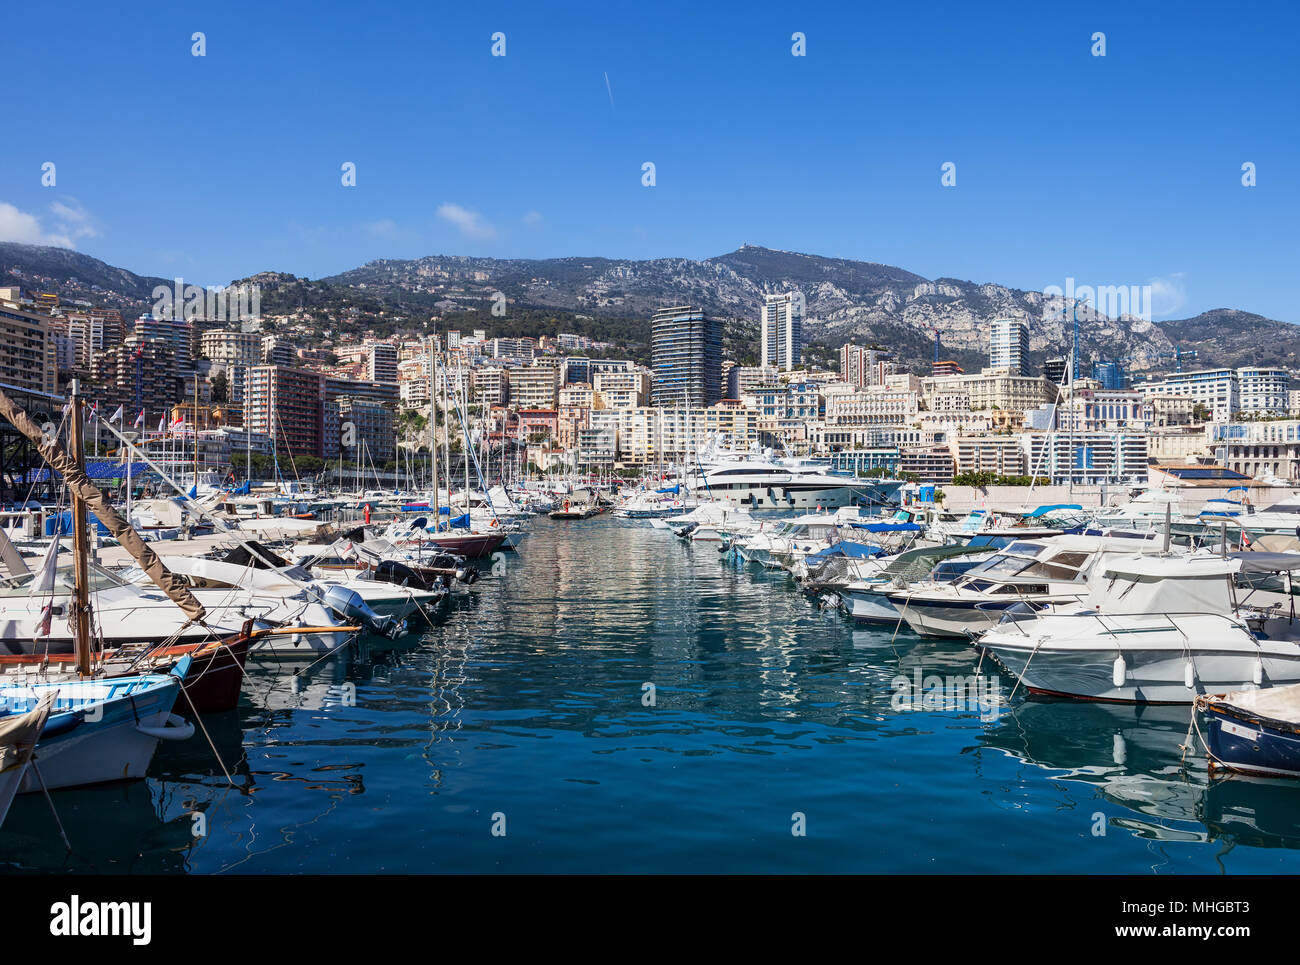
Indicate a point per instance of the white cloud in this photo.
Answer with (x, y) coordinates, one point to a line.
(533, 217)
(470, 223)
(26, 229)
(73, 220)
(1168, 294)
(383, 228)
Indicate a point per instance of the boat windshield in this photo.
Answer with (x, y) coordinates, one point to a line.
(1001, 565)
(64, 582)
(1062, 566)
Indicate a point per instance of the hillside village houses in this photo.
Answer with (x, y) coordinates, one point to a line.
(274, 384)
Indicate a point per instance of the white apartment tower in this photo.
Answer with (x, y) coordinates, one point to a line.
(781, 330)
(1009, 345)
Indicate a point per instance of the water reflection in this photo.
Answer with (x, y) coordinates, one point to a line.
(1133, 755)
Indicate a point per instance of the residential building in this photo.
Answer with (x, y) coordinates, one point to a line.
(686, 355)
(623, 390)
(288, 404)
(781, 331)
(534, 387)
(1009, 346)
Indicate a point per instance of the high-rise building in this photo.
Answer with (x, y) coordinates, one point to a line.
(366, 429)
(781, 328)
(1009, 345)
(1054, 369)
(288, 404)
(175, 332)
(139, 374)
(862, 367)
(686, 355)
(27, 353)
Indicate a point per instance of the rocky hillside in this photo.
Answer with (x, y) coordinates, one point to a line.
(611, 299)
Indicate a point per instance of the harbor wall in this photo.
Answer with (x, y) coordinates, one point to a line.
(1018, 499)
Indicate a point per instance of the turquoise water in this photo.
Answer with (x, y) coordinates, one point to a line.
(525, 710)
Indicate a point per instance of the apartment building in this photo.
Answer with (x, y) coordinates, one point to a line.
(288, 404)
(534, 387)
(623, 390)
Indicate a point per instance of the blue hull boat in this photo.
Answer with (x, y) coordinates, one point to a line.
(1254, 731)
(99, 729)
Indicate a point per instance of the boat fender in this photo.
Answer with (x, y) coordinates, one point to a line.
(1118, 671)
(1189, 675)
(174, 728)
(1257, 674)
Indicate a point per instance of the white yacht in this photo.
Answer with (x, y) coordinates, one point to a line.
(762, 482)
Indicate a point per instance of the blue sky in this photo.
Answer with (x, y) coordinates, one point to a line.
(1117, 170)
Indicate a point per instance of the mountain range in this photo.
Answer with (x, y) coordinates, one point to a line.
(846, 300)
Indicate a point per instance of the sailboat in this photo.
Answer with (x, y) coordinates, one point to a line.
(18, 736)
(41, 637)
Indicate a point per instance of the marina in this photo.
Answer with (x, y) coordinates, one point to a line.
(630, 701)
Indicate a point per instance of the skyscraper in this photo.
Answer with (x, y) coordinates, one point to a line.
(686, 355)
(1009, 346)
(781, 331)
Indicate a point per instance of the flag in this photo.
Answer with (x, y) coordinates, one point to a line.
(162, 423)
(43, 585)
(116, 416)
(178, 423)
(139, 420)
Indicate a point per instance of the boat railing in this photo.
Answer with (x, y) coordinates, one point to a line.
(1112, 630)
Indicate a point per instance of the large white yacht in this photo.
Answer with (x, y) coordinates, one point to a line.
(760, 481)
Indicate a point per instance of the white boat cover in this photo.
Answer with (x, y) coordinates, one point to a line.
(1275, 703)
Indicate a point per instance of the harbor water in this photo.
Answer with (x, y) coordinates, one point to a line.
(612, 699)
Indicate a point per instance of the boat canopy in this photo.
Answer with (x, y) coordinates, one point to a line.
(1267, 562)
(1164, 584)
(1055, 507)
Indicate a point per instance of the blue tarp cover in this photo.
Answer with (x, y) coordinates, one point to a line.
(888, 527)
(855, 550)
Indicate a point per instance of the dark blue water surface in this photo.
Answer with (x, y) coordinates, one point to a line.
(524, 710)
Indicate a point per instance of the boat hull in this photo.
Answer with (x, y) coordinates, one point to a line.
(1248, 745)
(866, 606)
(1152, 675)
(116, 747)
(471, 547)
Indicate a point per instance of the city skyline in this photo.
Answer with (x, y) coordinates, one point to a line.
(540, 152)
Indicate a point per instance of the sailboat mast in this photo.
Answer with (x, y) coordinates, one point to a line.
(80, 544)
(196, 433)
(433, 436)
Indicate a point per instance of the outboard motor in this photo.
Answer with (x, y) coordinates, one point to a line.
(349, 605)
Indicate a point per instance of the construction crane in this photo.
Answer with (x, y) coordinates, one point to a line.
(936, 331)
(1178, 354)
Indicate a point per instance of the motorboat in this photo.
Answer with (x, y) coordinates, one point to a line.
(1159, 629)
(867, 598)
(1035, 574)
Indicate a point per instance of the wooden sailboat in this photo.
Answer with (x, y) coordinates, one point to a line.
(216, 664)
